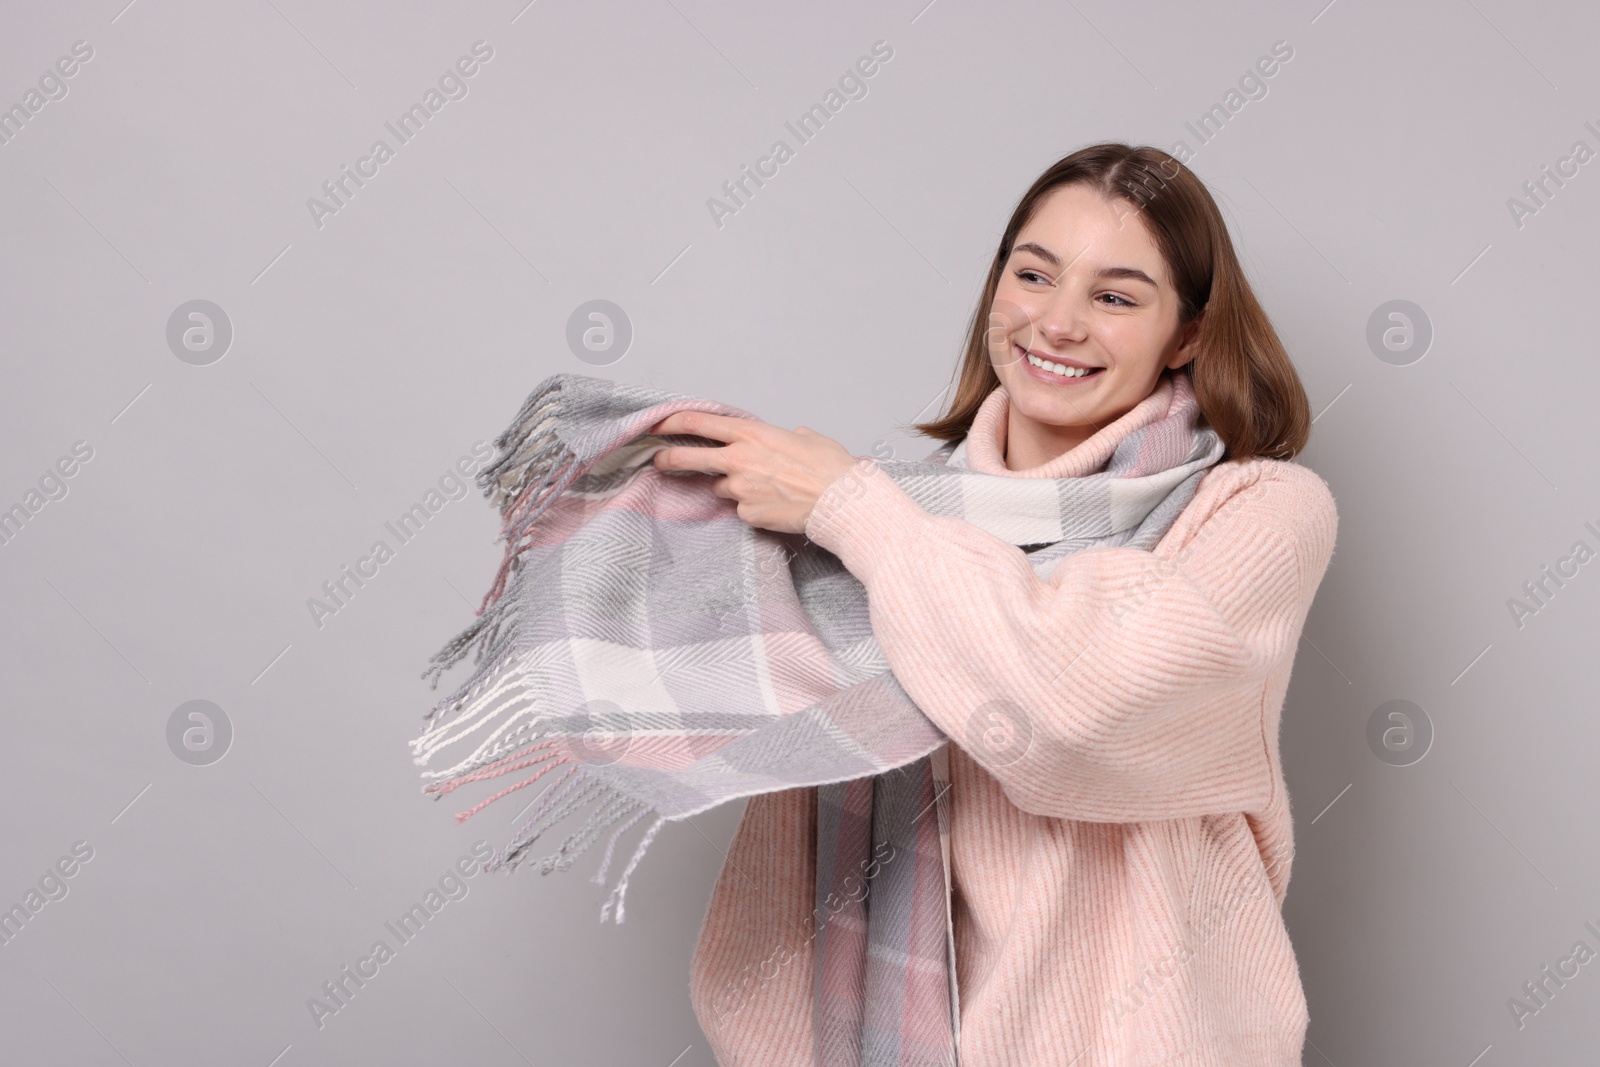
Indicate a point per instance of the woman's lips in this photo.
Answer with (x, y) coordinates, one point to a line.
(1052, 377)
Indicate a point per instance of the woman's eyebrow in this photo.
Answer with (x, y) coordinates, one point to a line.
(1130, 273)
(1041, 251)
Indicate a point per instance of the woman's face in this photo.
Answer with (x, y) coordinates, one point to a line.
(1085, 287)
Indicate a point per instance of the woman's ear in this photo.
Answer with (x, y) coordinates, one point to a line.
(1189, 346)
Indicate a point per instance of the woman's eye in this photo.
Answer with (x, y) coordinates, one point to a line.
(1033, 277)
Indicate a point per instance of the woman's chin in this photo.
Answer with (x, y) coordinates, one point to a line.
(1052, 409)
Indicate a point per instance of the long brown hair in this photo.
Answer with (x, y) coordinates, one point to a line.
(1246, 387)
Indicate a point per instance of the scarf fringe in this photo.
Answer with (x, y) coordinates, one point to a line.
(574, 790)
(569, 794)
(532, 467)
(512, 744)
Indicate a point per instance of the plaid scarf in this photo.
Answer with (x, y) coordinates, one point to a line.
(669, 658)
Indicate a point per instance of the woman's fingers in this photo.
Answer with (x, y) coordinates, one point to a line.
(723, 428)
(709, 459)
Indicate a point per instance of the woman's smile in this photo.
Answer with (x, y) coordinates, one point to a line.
(1056, 371)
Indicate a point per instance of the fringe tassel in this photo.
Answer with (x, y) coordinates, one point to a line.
(531, 469)
(479, 631)
(507, 700)
(494, 770)
(541, 818)
(463, 816)
(611, 808)
(622, 885)
(590, 791)
(579, 841)
(605, 863)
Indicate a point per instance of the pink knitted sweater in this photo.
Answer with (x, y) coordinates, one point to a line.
(1116, 891)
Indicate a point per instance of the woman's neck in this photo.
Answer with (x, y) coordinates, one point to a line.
(1032, 444)
(995, 444)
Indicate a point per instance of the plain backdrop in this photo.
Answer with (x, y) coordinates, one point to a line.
(374, 345)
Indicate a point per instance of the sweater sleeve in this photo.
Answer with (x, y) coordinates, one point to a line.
(1130, 685)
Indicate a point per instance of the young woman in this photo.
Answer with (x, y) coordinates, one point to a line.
(1116, 888)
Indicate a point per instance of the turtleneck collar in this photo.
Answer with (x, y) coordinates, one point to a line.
(984, 447)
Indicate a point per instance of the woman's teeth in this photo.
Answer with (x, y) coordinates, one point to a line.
(1057, 368)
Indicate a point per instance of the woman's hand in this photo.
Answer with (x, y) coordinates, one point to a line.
(775, 475)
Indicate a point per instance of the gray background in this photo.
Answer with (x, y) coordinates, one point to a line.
(370, 353)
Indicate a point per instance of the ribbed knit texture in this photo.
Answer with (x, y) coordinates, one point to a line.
(1118, 888)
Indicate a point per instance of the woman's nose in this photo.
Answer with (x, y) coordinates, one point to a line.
(1062, 316)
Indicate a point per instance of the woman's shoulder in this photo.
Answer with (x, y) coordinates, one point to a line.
(1276, 493)
(1293, 486)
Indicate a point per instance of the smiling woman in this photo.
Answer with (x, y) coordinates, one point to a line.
(1118, 259)
(1097, 866)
